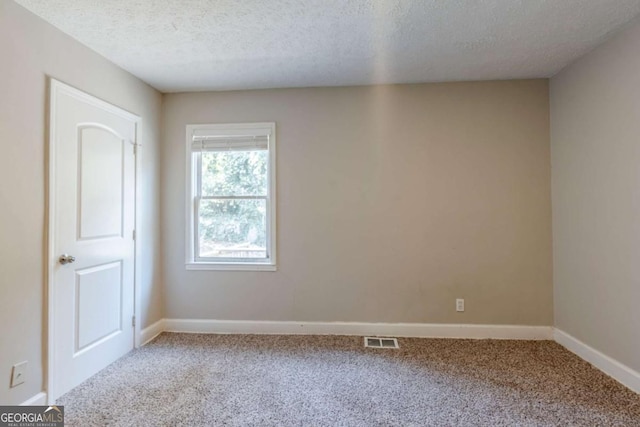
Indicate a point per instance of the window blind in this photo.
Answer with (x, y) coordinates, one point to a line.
(229, 143)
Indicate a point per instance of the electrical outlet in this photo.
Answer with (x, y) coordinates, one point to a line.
(459, 304)
(18, 373)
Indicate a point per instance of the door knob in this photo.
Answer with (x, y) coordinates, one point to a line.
(66, 259)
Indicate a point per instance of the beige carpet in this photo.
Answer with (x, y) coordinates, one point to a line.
(249, 380)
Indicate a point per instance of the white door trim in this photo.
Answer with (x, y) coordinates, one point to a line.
(56, 87)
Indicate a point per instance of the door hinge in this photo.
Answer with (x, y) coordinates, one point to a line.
(133, 321)
(135, 149)
(133, 235)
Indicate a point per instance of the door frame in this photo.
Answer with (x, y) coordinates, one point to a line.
(54, 88)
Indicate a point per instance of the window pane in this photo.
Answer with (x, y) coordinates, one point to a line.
(234, 173)
(233, 228)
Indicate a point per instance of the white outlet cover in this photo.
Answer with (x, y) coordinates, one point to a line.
(459, 305)
(18, 373)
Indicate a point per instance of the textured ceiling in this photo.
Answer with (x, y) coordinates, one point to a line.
(188, 45)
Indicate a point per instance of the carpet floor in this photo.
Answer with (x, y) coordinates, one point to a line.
(252, 380)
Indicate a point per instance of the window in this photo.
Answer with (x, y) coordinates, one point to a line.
(231, 203)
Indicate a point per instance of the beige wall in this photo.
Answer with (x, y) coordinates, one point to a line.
(31, 49)
(595, 127)
(392, 202)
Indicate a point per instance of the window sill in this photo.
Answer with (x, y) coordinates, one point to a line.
(230, 266)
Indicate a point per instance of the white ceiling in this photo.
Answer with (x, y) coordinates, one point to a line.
(188, 45)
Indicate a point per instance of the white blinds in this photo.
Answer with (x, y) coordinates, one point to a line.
(229, 143)
(231, 138)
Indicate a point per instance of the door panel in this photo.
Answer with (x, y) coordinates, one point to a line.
(101, 166)
(98, 303)
(92, 209)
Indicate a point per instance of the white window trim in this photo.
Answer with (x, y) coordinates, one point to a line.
(191, 185)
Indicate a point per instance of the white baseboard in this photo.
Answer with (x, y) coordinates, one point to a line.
(417, 330)
(37, 400)
(606, 364)
(152, 331)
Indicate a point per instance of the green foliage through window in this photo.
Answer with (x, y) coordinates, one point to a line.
(233, 209)
(234, 173)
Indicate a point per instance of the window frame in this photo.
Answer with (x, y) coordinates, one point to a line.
(192, 262)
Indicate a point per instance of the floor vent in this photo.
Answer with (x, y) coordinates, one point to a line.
(381, 342)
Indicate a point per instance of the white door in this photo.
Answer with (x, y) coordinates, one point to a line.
(92, 217)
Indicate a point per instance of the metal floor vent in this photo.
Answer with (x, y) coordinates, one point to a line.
(381, 342)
